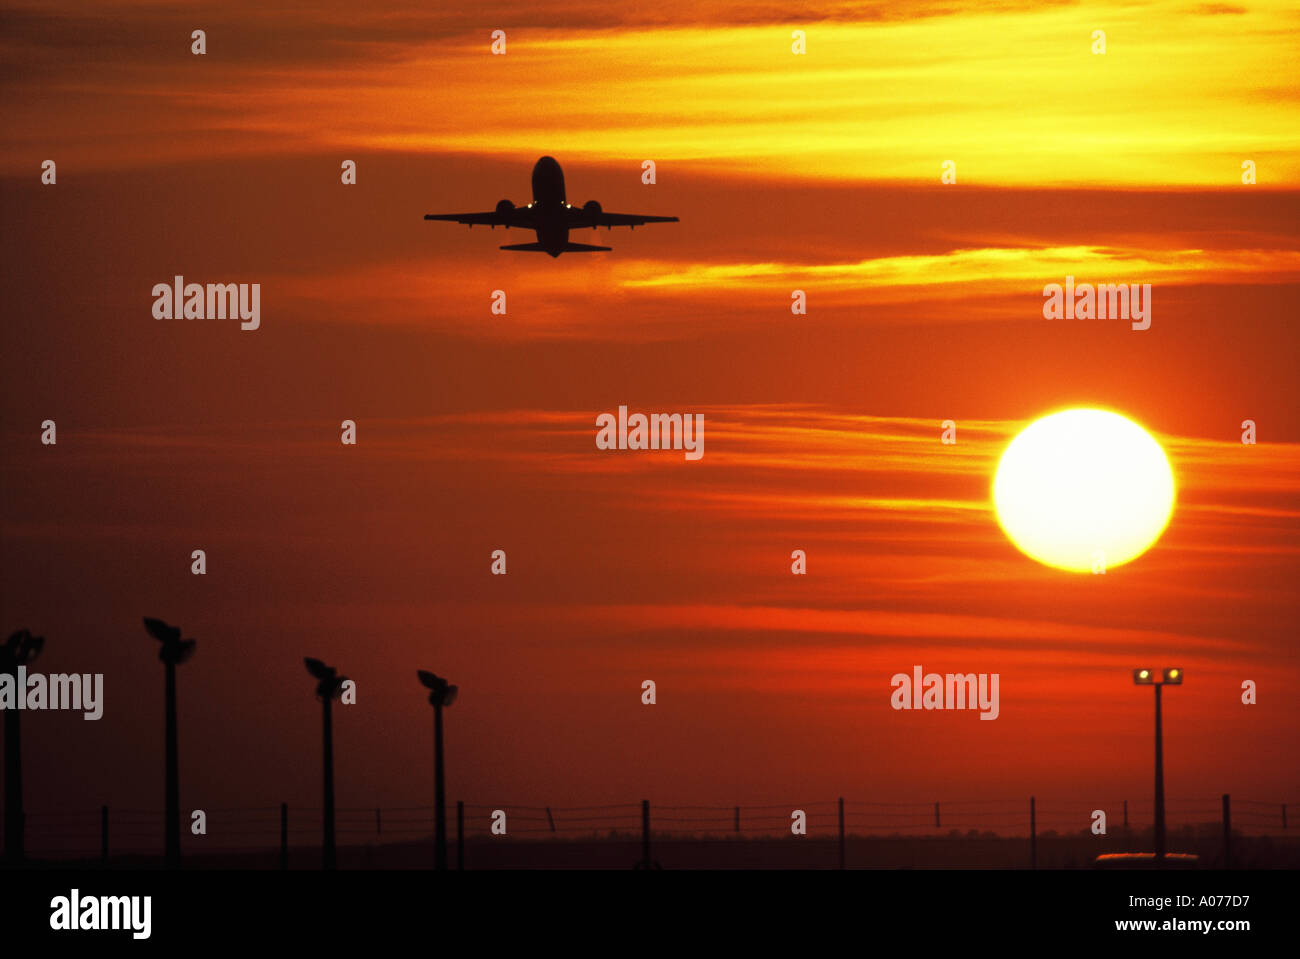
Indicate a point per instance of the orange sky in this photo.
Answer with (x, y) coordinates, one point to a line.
(476, 431)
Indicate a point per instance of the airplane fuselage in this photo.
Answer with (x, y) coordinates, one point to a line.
(550, 205)
(551, 216)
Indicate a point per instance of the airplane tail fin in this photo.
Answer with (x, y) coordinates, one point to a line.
(567, 248)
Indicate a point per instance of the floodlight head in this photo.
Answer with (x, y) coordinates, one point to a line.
(161, 631)
(330, 683)
(174, 650)
(1173, 676)
(442, 693)
(178, 652)
(20, 648)
(443, 697)
(1144, 677)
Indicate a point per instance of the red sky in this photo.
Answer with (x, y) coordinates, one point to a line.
(476, 431)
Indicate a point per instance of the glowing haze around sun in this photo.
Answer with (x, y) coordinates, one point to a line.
(1083, 490)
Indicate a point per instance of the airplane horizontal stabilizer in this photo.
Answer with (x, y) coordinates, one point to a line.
(567, 248)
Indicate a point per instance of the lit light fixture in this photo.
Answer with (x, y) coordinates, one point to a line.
(1172, 676)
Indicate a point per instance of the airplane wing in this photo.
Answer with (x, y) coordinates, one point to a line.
(592, 215)
(501, 216)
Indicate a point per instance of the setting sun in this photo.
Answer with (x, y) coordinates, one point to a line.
(1083, 490)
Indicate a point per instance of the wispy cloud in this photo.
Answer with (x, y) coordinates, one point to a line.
(880, 95)
(969, 281)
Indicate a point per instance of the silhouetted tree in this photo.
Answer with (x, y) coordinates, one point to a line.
(20, 649)
(174, 651)
(329, 685)
(441, 694)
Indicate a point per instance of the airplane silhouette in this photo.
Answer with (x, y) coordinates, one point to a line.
(550, 216)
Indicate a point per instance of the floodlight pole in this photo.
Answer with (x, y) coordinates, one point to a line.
(328, 858)
(1160, 784)
(172, 773)
(441, 693)
(173, 653)
(1157, 678)
(439, 793)
(328, 685)
(22, 648)
(14, 818)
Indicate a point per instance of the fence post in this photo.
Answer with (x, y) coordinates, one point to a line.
(936, 816)
(645, 833)
(1033, 834)
(460, 835)
(738, 818)
(841, 832)
(284, 835)
(103, 833)
(550, 819)
(1227, 832)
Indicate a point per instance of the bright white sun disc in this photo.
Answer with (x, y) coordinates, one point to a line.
(1083, 490)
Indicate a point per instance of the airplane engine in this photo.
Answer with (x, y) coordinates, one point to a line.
(592, 209)
(505, 208)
